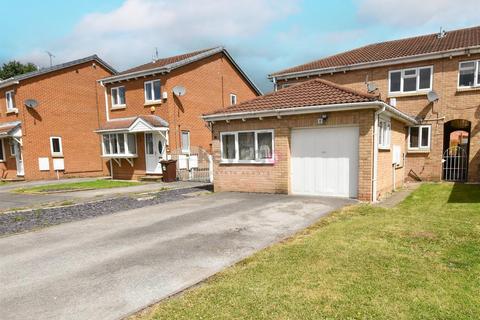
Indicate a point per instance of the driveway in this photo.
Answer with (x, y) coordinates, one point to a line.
(111, 266)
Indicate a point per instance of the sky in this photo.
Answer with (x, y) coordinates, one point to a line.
(263, 36)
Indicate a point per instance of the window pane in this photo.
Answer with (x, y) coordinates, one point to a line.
(424, 78)
(106, 143)
(114, 96)
(56, 145)
(228, 146)
(395, 81)
(185, 141)
(425, 131)
(467, 65)
(414, 137)
(132, 146)
(149, 143)
(467, 77)
(156, 90)
(265, 145)
(410, 84)
(121, 143)
(113, 141)
(2, 156)
(148, 91)
(121, 94)
(410, 72)
(246, 145)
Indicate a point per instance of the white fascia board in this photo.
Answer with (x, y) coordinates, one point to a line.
(8, 83)
(382, 63)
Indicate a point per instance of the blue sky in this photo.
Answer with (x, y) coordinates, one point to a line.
(263, 35)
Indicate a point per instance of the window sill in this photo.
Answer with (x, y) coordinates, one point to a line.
(119, 107)
(466, 89)
(408, 94)
(418, 151)
(14, 111)
(246, 162)
(152, 103)
(59, 155)
(384, 148)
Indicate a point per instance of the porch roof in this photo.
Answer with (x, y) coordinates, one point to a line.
(7, 128)
(142, 123)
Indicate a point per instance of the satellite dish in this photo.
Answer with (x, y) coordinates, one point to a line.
(371, 87)
(179, 91)
(31, 103)
(432, 96)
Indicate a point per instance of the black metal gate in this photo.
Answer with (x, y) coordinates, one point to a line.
(455, 164)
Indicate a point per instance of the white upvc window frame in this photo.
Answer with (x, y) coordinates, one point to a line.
(117, 94)
(10, 101)
(152, 91)
(127, 153)
(403, 76)
(237, 148)
(384, 133)
(185, 149)
(233, 99)
(476, 70)
(2, 146)
(13, 152)
(54, 153)
(420, 134)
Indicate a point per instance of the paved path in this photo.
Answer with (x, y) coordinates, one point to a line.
(399, 195)
(110, 266)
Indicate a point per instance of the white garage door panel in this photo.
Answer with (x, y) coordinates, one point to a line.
(325, 161)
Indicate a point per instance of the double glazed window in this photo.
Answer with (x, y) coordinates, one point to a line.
(119, 144)
(2, 150)
(410, 80)
(247, 146)
(10, 101)
(152, 91)
(384, 133)
(469, 74)
(185, 141)
(419, 137)
(118, 97)
(233, 99)
(56, 146)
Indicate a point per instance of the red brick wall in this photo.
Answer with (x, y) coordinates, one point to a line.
(453, 104)
(68, 109)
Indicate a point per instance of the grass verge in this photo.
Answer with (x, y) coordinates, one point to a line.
(78, 186)
(420, 260)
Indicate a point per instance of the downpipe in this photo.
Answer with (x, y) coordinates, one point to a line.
(375, 154)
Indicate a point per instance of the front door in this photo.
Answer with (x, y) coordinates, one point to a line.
(18, 158)
(154, 152)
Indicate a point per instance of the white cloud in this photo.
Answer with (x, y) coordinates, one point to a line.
(413, 14)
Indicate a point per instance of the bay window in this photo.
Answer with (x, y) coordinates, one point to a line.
(419, 137)
(247, 146)
(410, 80)
(119, 144)
(118, 97)
(152, 91)
(384, 133)
(468, 74)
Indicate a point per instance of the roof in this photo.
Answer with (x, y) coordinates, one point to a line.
(7, 127)
(16, 79)
(316, 95)
(393, 50)
(126, 123)
(166, 65)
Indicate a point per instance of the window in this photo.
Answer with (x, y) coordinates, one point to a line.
(410, 80)
(152, 91)
(384, 133)
(185, 141)
(118, 97)
(233, 99)
(247, 146)
(2, 150)
(469, 74)
(10, 97)
(13, 152)
(419, 137)
(119, 144)
(56, 146)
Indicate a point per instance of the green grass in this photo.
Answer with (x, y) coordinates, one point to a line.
(420, 260)
(83, 185)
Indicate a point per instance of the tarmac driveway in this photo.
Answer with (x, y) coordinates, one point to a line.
(111, 266)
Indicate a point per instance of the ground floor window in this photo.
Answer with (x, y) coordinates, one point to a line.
(56, 146)
(119, 144)
(384, 133)
(185, 141)
(2, 150)
(419, 137)
(247, 146)
(13, 152)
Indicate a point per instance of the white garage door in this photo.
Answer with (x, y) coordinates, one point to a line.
(324, 161)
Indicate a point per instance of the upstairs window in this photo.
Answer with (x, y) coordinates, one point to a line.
(56, 146)
(118, 97)
(247, 146)
(152, 91)
(10, 97)
(419, 137)
(469, 74)
(384, 133)
(233, 99)
(411, 80)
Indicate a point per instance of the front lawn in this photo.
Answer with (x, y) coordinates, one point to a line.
(420, 260)
(83, 185)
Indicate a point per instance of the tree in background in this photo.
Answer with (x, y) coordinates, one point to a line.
(14, 68)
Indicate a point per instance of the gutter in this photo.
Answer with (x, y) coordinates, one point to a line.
(8, 83)
(381, 63)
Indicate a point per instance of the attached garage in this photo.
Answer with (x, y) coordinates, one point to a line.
(315, 138)
(324, 162)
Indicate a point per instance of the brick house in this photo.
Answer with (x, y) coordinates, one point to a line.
(434, 78)
(47, 119)
(153, 112)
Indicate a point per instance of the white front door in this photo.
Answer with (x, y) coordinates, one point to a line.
(154, 152)
(18, 158)
(324, 161)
